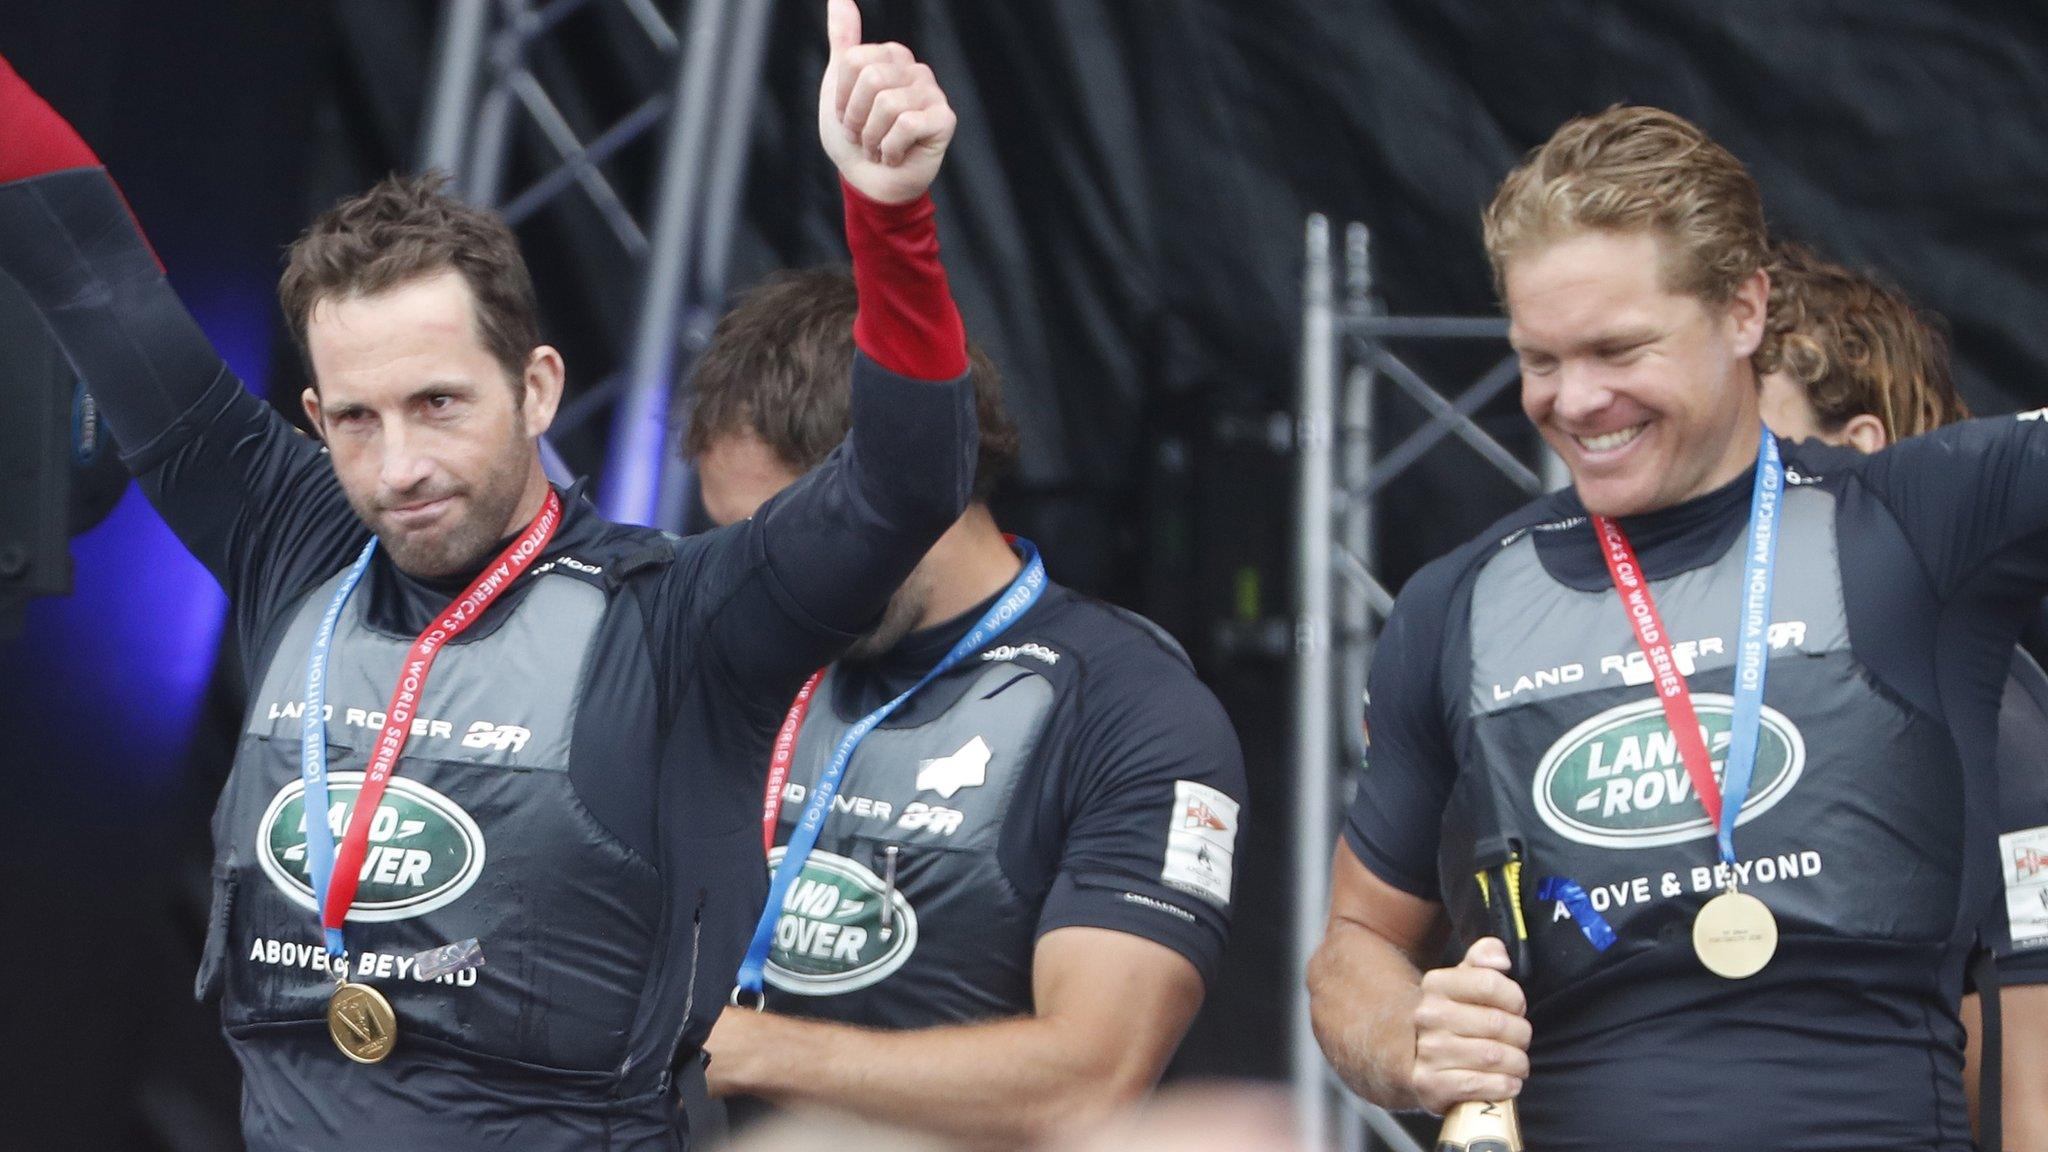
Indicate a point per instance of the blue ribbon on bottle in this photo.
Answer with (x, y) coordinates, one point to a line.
(1022, 593)
(1752, 639)
(1566, 891)
(313, 747)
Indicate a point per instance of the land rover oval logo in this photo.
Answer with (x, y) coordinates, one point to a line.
(424, 851)
(1617, 780)
(829, 938)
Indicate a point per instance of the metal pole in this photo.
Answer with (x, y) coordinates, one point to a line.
(739, 94)
(1432, 327)
(1556, 474)
(465, 25)
(1352, 1135)
(490, 144)
(1381, 1122)
(1354, 640)
(651, 22)
(540, 107)
(725, 179)
(1440, 409)
(569, 171)
(1312, 709)
(640, 423)
(1419, 442)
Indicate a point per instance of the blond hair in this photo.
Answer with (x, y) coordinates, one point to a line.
(1634, 169)
(1857, 346)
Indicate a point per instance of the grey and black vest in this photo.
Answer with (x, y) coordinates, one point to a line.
(479, 835)
(904, 916)
(1852, 830)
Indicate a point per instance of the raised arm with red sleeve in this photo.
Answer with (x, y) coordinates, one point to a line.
(841, 540)
(907, 322)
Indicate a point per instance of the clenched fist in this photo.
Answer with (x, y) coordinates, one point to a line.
(881, 115)
(1471, 1034)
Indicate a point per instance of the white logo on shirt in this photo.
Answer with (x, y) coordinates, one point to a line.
(1009, 652)
(967, 768)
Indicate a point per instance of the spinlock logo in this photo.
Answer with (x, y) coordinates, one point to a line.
(571, 563)
(1011, 652)
(1617, 780)
(831, 937)
(424, 851)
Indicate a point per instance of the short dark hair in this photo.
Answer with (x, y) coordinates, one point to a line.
(1857, 346)
(780, 365)
(404, 228)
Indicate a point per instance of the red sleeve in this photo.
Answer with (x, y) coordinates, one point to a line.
(907, 322)
(33, 138)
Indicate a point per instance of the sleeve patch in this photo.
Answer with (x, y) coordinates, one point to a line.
(1201, 837)
(2025, 855)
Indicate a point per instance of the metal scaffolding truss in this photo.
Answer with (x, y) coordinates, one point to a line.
(701, 100)
(1340, 598)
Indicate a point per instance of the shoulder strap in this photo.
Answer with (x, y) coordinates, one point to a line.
(648, 558)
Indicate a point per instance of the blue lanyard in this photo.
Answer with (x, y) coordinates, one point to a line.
(313, 746)
(1009, 608)
(1752, 645)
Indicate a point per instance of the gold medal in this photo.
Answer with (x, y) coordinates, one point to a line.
(362, 1023)
(1735, 935)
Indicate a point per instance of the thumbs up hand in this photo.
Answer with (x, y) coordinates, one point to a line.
(882, 117)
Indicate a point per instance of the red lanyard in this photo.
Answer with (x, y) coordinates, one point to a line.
(405, 697)
(778, 761)
(1672, 693)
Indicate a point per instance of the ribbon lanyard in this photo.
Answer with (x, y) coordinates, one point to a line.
(778, 761)
(336, 874)
(1723, 801)
(1008, 609)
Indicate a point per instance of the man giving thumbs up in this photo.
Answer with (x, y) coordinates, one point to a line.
(998, 904)
(489, 853)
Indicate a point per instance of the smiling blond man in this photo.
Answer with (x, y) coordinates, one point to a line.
(1715, 723)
